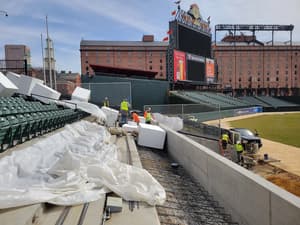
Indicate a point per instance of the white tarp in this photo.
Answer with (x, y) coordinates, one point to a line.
(71, 167)
(174, 123)
(86, 107)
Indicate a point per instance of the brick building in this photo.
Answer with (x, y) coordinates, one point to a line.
(146, 55)
(15, 56)
(256, 68)
(66, 82)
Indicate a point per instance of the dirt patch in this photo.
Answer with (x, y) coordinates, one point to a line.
(288, 181)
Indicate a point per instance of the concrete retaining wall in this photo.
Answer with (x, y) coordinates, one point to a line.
(249, 198)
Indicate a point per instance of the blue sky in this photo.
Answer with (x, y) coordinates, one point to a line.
(72, 20)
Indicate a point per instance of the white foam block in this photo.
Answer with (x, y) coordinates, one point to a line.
(111, 115)
(142, 119)
(27, 83)
(132, 123)
(14, 77)
(7, 88)
(81, 94)
(40, 90)
(130, 128)
(151, 136)
(114, 204)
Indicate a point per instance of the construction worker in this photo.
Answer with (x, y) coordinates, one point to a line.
(135, 117)
(148, 116)
(124, 107)
(239, 150)
(224, 140)
(106, 102)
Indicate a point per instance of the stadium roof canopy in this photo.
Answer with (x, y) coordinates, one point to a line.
(115, 71)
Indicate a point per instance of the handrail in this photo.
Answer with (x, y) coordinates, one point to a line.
(72, 103)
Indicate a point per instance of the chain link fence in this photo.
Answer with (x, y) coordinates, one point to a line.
(115, 92)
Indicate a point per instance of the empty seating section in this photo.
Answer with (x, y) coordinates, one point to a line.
(213, 99)
(22, 120)
(254, 101)
(274, 102)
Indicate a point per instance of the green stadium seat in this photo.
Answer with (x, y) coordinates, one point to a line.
(14, 126)
(23, 127)
(4, 130)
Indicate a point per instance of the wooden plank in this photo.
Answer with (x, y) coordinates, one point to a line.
(20, 215)
(51, 215)
(94, 214)
(73, 215)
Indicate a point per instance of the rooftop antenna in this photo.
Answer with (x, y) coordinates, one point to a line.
(48, 51)
(44, 71)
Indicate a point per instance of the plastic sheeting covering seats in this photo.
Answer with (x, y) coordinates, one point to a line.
(86, 107)
(174, 123)
(74, 166)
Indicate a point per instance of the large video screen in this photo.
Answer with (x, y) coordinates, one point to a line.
(179, 65)
(194, 42)
(195, 67)
(196, 71)
(210, 70)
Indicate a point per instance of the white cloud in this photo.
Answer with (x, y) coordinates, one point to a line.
(119, 11)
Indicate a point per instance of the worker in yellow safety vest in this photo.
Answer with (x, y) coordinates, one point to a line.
(106, 102)
(224, 140)
(124, 107)
(239, 150)
(148, 116)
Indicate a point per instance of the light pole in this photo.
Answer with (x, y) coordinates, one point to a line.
(4, 12)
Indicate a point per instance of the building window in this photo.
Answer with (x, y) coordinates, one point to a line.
(230, 80)
(258, 79)
(286, 72)
(150, 54)
(296, 66)
(268, 79)
(87, 68)
(249, 79)
(160, 60)
(295, 72)
(240, 79)
(277, 72)
(86, 54)
(86, 62)
(277, 78)
(161, 74)
(150, 61)
(161, 67)
(150, 67)
(286, 78)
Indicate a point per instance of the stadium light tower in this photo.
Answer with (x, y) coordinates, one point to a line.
(4, 12)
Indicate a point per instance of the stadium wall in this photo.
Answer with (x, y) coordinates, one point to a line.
(143, 91)
(249, 198)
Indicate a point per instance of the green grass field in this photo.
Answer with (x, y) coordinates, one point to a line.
(283, 128)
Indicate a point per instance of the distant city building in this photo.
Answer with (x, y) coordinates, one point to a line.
(17, 58)
(249, 67)
(67, 82)
(147, 56)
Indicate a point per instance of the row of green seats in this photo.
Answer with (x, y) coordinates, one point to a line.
(15, 129)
